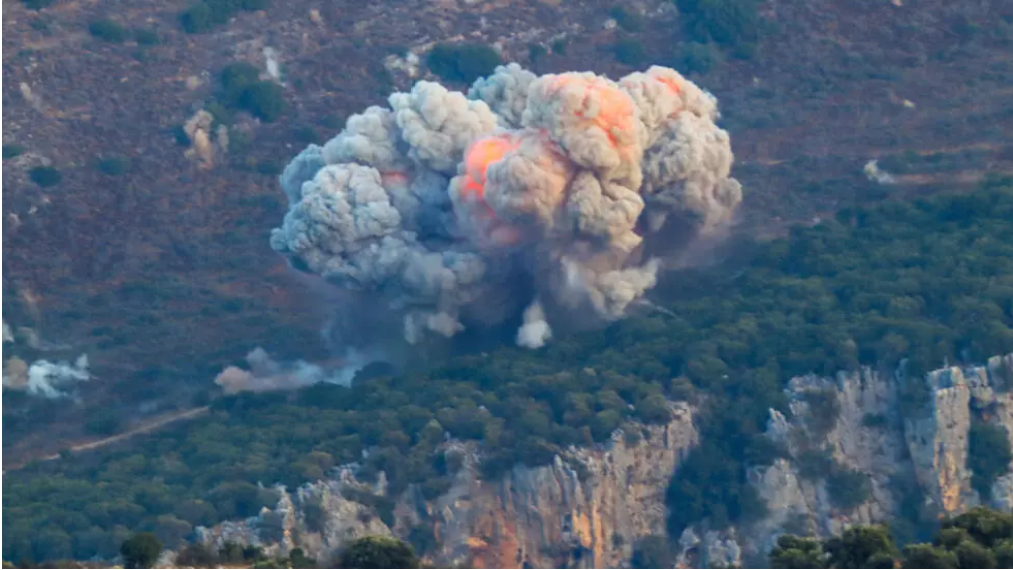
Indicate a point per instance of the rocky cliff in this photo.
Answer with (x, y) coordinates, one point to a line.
(860, 448)
(586, 509)
(857, 448)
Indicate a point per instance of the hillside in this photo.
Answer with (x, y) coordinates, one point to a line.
(156, 264)
(885, 287)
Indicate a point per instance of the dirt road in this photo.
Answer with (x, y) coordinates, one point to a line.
(145, 427)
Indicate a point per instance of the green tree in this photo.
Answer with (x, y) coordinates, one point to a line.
(377, 552)
(141, 550)
(795, 552)
(630, 52)
(988, 455)
(928, 556)
(462, 63)
(862, 547)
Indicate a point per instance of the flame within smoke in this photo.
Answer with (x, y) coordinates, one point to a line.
(530, 194)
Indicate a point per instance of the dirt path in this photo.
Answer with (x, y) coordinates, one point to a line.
(146, 427)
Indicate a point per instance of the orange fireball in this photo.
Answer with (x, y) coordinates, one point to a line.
(479, 156)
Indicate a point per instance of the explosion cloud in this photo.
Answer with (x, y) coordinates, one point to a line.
(533, 195)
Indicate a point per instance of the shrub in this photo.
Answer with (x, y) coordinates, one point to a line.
(815, 464)
(536, 52)
(196, 19)
(377, 552)
(45, 176)
(146, 37)
(463, 63)
(700, 58)
(12, 151)
(848, 488)
(243, 89)
(630, 51)
(627, 20)
(988, 456)
(141, 550)
(871, 420)
(823, 410)
(263, 99)
(559, 46)
(107, 31)
(106, 422)
(727, 22)
(235, 78)
(114, 165)
(652, 552)
(653, 410)
(37, 4)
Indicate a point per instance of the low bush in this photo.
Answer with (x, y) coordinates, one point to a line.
(462, 63)
(45, 176)
(108, 31)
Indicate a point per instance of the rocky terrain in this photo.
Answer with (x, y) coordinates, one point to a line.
(591, 506)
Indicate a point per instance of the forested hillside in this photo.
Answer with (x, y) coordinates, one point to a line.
(930, 281)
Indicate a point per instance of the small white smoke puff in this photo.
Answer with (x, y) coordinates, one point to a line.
(535, 331)
(454, 210)
(875, 174)
(267, 375)
(46, 379)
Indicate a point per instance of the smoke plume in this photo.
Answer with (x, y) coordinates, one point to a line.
(45, 379)
(530, 194)
(267, 375)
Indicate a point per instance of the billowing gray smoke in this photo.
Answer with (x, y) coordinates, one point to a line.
(530, 194)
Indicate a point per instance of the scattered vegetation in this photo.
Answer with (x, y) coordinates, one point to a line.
(980, 538)
(462, 63)
(818, 301)
(630, 52)
(108, 31)
(206, 15)
(114, 165)
(12, 151)
(45, 176)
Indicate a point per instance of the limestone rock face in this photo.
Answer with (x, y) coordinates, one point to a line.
(586, 509)
(590, 505)
(923, 451)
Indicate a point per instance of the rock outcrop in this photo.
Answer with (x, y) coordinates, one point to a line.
(856, 448)
(852, 428)
(585, 509)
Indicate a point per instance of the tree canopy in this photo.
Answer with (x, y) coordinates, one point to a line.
(979, 538)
